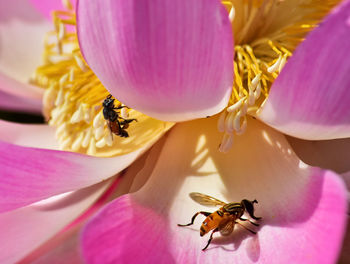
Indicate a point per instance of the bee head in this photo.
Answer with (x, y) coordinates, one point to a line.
(250, 208)
(108, 102)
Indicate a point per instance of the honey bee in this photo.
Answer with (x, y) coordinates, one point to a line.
(116, 124)
(224, 219)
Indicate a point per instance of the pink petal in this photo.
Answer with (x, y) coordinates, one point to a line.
(27, 228)
(345, 254)
(310, 99)
(23, 90)
(328, 154)
(66, 244)
(46, 7)
(18, 96)
(22, 30)
(19, 104)
(346, 178)
(32, 174)
(106, 197)
(167, 59)
(295, 202)
(63, 247)
(38, 136)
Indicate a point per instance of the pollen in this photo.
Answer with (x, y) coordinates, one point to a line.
(266, 33)
(73, 97)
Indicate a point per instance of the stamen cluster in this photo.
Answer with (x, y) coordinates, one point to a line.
(73, 96)
(266, 32)
(263, 45)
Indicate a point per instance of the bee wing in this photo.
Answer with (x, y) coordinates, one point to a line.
(227, 228)
(204, 199)
(109, 128)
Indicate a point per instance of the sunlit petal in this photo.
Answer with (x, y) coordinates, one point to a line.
(32, 174)
(310, 98)
(169, 60)
(294, 201)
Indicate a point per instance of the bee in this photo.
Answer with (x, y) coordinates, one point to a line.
(224, 219)
(116, 124)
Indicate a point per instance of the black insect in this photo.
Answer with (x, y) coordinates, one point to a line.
(116, 123)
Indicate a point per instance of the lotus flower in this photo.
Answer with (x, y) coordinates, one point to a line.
(173, 61)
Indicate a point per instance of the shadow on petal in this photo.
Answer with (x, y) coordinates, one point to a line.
(295, 202)
(327, 154)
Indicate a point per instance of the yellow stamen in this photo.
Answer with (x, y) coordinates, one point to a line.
(74, 95)
(266, 33)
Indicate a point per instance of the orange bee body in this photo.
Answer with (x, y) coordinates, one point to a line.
(224, 219)
(212, 221)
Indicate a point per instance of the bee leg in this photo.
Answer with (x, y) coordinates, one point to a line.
(127, 121)
(194, 217)
(250, 208)
(119, 107)
(246, 228)
(242, 219)
(123, 133)
(211, 237)
(124, 125)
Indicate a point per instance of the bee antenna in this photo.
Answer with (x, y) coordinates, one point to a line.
(255, 201)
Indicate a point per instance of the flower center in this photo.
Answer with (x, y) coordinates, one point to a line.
(266, 33)
(72, 101)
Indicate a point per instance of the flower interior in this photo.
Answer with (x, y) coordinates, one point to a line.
(73, 97)
(266, 33)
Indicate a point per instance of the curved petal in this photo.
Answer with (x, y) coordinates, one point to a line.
(310, 98)
(25, 229)
(66, 244)
(345, 254)
(16, 96)
(327, 154)
(32, 174)
(19, 104)
(22, 30)
(38, 136)
(169, 60)
(46, 7)
(346, 177)
(25, 91)
(63, 247)
(19, 96)
(294, 201)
